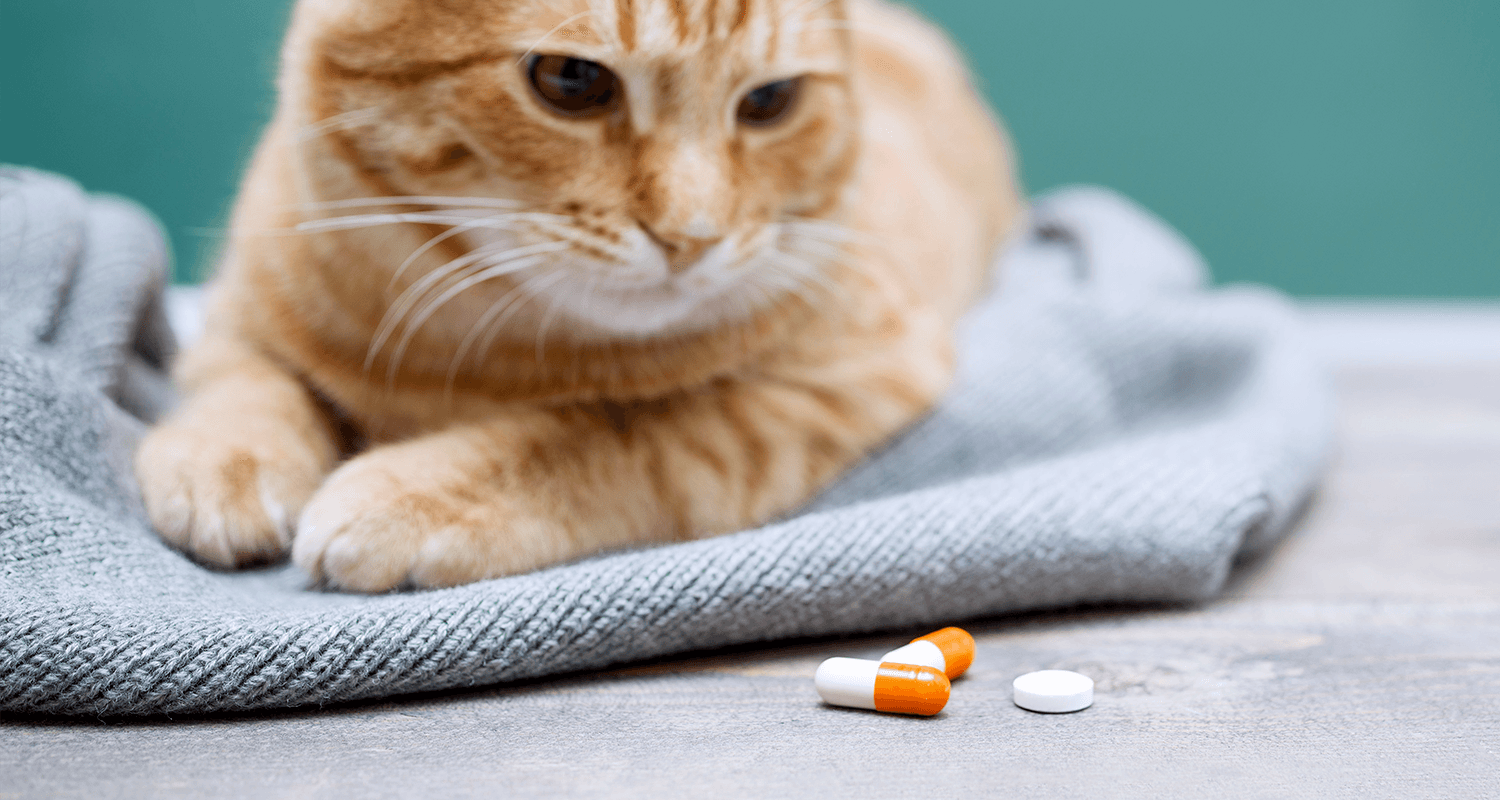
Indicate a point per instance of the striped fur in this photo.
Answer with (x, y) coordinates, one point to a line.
(456, 335)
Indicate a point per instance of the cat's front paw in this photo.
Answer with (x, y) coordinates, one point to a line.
(380, 522)
(226, 498)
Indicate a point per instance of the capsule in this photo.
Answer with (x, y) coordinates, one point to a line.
(882, 686)
(949, 651)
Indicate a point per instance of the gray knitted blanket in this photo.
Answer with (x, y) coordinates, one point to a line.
(1118, 433)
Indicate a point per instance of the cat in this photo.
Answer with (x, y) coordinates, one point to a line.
(511, 282)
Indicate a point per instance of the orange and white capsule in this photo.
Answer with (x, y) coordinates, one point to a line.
(949, 651)
(880, 686)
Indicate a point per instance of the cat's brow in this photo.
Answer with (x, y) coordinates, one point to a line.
(415, 71)
(556, 29)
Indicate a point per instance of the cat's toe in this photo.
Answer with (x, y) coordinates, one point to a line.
(226, 504)
(373, 529)
(357, 533)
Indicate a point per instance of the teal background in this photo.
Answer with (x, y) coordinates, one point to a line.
(1328, 148)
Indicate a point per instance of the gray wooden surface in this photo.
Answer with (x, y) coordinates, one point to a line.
(1359, 659)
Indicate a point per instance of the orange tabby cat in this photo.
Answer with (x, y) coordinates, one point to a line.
(557, 276)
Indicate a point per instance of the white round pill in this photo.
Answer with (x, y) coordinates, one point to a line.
(1054, 691)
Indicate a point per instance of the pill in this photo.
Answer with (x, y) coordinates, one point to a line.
(1054, 691)
(949, 651)
(882, 686)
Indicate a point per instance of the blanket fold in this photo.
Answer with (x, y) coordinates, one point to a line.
(1118, 432)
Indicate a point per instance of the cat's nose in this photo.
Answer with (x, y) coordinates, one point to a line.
(682, 250)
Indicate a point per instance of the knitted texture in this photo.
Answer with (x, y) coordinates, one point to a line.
(1117, 433)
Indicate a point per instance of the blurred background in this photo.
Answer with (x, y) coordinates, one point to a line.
(1343, 148)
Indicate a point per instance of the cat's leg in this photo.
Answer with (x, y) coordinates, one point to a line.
(225, 475)
(535, 487)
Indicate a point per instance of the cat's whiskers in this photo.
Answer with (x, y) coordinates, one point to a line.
(338, 122)
(398, 308)
(483, 257)
(414, 293)
(824, 253)
(806, 274)
(478, 329)
(832, 243)
(764, 288)
(585, 310)
(807, 269)
(425, 248)
(451, 213)
(541, 332)
(464, 272)
(479, 273)
(743, 311)
(455, 206)
(483, 326)
(512, 303)
(826, 229)
(412, 328)
(790, 281)
(355, 221)
(833, 240)
(457, 201)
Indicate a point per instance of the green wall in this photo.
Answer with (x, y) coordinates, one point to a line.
(1329, 148)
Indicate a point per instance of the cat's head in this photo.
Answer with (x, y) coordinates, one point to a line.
(643, 165)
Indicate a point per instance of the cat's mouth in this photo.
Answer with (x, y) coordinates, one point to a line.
(649, 272)
(642, 305)
(639, 311)
(634, 289)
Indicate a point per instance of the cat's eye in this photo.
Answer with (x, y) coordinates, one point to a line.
(572, 86)
(769, 104)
